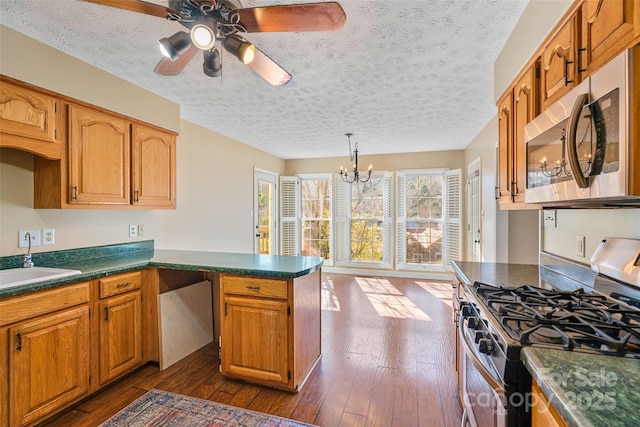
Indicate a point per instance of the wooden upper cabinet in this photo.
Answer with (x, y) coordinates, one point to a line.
(525, 108)
(29, 120)
(559, 71)
(153, 167)
(99, 155)
(505, 147)
(608, 27)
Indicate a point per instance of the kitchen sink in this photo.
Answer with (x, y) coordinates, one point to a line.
(13, 277)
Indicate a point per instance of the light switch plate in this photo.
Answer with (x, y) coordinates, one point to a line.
(23, 240)
(580, 241)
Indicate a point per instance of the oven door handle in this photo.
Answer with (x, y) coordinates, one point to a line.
(477, 363)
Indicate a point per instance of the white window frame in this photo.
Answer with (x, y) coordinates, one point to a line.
(387, 246)
(451, 221)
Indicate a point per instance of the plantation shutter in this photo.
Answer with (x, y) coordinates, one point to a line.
(387, 241)
(453, 216)
(289, 215)
(401, 221)
(339, 224)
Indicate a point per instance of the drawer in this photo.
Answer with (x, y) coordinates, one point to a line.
(114, 285)
(255, 286)
(31, 305)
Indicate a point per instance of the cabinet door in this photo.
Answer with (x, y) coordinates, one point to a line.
(30, 116)
(49, 362)
(608, 27)
(153, 167)
(505, 147)
(120, 335)
(558, 64)
(99, 154)
(255, 339)
(524, 110)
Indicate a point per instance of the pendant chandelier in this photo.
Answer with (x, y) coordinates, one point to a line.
(354, 176)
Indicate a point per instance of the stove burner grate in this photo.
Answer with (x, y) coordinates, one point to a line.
(577, 320)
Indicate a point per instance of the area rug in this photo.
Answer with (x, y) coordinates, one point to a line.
(161, 408)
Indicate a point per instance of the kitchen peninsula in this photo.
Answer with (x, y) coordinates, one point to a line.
(266, 316)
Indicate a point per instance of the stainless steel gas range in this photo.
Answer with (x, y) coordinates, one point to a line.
(571, 307)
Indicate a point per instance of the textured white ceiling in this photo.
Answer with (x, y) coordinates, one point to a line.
(402, 75)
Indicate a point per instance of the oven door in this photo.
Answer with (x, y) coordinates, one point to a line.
(483, 393)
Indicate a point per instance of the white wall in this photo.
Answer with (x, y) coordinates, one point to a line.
(214, 173)
(594, 225)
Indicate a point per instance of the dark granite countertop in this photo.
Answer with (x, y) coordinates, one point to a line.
(509, 275)
(587, 389)
(112, 259)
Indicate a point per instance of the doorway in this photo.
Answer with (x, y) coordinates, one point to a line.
(265, 212)
(474, 249)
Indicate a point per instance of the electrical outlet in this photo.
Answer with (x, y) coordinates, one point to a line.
(549, 218)
(23, 240)
(133, 230)
(580, 246)
(140, 230)
(48, 236)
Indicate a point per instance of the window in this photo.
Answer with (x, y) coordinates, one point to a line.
(367, 221)
(428, 218)
(424, 218)
(418, 219)
(315, 217)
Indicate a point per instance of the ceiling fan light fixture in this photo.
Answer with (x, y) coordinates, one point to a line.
(212, 66)
(241, 49)
(174, 46)
(203, 36)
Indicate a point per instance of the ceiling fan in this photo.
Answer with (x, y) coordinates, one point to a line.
(214, 23)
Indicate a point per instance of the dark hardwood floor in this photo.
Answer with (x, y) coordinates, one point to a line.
(387, 361)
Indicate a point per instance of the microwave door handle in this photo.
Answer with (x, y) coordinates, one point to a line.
(572, 151)
(477, 363)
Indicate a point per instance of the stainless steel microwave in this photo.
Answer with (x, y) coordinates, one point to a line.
(578, 151)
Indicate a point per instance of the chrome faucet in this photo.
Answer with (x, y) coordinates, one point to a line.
(26, 260)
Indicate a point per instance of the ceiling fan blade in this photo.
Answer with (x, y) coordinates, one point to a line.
(293, 18)
(268, 69)
(136, 6)
(168, 68)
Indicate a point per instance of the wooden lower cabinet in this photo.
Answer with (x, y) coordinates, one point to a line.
(120, 335)
(270, 329)
(543, 414)
(256, 339)
(60, 345)
(48, 364)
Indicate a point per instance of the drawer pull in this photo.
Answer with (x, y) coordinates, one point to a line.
(254, 288)
(106, 314)
(123, 285)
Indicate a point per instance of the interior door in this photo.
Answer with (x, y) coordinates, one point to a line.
(265, 212)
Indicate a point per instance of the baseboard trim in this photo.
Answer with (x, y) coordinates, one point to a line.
(432, 275)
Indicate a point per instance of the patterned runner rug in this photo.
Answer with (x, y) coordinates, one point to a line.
(161, 408)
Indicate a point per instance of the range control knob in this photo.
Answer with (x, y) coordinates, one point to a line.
(485, 345)
(474, 322)
(480, 335)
